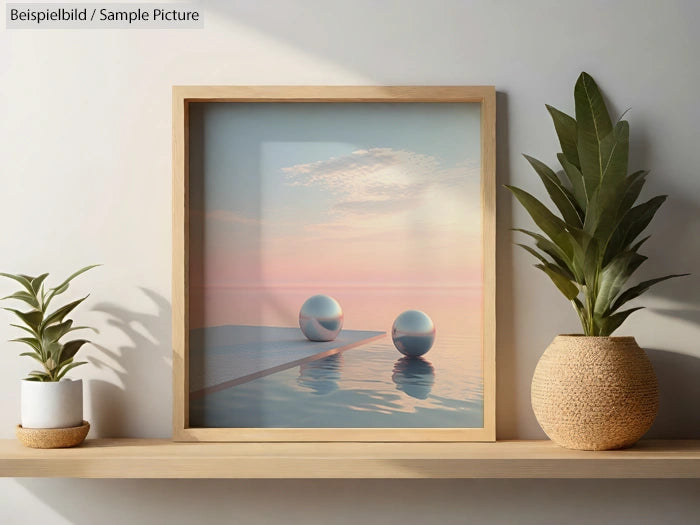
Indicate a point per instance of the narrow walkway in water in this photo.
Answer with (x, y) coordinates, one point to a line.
(225, 356)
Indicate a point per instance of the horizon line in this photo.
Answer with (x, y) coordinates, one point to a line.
(397, 286)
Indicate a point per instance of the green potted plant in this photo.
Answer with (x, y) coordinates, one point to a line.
(49, 399)
(592, 391)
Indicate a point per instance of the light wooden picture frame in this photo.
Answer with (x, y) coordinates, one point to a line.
(400, 164)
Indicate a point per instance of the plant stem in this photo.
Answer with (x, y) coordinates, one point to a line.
(590, 329)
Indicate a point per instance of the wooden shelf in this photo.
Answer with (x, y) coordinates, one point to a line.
(156, 458)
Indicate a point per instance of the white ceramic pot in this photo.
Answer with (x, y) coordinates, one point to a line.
(52, 404)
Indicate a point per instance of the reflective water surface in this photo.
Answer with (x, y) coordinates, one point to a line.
(372, 385)
(368, 386)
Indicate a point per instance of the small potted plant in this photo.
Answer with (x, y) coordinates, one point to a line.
(52, 405)
(592, 391)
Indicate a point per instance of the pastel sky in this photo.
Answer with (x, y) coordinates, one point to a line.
(335, 195)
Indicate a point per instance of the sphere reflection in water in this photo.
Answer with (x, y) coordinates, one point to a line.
(321, 318)
(414, 376)
(321, 376)
(413, 333)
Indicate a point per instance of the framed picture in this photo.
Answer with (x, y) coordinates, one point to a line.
(334, 263)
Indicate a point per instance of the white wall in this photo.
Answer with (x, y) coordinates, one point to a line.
(85, 144)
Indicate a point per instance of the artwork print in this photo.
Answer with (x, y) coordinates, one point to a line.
(335, 265)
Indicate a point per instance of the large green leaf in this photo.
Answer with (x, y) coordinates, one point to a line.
(36, 375)
(580, 310)
(607, 325)
(560, 268)
(633, 187)
(551, 249)
(639, 217)
(573, 173)
(33, 355)
(37, 282)
(564, 285)
(613, 277)
(614, 150)
(32, 318)
(632, 225)
(594, 125)
(638, 244)
(550, 224)
(56, 331)
(64, 285)
(71, 348)
(604, 201)
(25, 297)
(567, 132)
(58, 315)
(591, 267)
(580, 243)
(562, 199)
(636, 291)
(21, 279)
(534, 252)
(31, 341)
(28, 330)
(68, 368)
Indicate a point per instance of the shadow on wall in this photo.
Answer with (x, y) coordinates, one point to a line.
(142, 367)
(675, 229)
(506, 359)
(679, 385)
(674, 248)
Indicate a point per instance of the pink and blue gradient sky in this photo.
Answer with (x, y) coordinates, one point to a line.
(335, 195)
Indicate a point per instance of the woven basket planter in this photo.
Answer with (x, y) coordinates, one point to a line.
(594, 393)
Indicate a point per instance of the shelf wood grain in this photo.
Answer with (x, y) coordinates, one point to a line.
(157, 458)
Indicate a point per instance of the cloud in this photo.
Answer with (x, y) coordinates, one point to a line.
(365, 173)
(366, 178)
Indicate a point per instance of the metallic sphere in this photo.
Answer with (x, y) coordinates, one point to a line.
(413, 333)
(321, 318)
